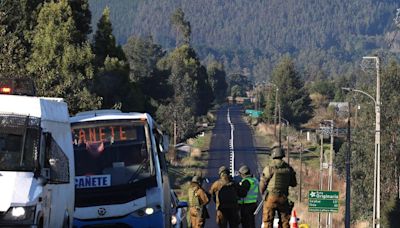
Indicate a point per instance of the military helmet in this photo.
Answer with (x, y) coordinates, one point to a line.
(223, 169)
(244, 170)
(277, 153)
(197, 179)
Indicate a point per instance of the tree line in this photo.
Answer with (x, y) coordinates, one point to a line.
(330, 35)
(48, 42)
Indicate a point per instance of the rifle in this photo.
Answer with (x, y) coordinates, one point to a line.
(260, 205)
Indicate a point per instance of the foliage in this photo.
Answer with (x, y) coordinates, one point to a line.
(217, 79)
(192, 94)
(238, 84)
(61, 67)
(12, 55)
(182, 26)
(82, 16)
(293, 97)
(104, 41)
(391, 213)
(362, 144)
(113, 85)
(235, 32)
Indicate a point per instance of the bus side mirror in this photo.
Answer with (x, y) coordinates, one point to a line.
(165, 144)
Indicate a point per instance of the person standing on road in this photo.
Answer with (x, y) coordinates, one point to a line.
(224, 192)
(275, 181)
(248, 203)
(198, 200)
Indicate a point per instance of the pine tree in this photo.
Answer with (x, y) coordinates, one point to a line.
(104, 40)
(293, 96)
(61, 67)
(182, 27)
(82, 17)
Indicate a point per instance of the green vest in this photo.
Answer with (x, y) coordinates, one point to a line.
(193, 199)
(252, 194)
(279, 183)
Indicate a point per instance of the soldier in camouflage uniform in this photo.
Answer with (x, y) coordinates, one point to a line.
(275, 181)
(227, 212)
(198, 200)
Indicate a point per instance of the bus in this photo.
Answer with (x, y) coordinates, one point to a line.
(121, 174)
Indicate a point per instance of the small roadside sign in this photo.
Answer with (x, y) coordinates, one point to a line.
(323, 201)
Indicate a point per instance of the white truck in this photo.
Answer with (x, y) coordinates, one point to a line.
(36, 162)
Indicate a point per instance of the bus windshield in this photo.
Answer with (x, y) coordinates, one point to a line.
(110, 153)
(19, 143)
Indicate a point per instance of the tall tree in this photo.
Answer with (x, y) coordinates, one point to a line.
(62, 68)
(113, 85)
(294, 99)
(12, 55)
(188, 80)
(104, 40)
(217, 79)
(17, 21)
(182, 26)
(142, 55)
(82, 17)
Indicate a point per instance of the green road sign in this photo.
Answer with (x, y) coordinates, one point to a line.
(323, 201)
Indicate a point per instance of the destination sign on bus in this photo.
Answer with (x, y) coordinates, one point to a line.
(104, 134)
(94, 181)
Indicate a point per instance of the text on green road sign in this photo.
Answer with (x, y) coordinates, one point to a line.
(323, 201)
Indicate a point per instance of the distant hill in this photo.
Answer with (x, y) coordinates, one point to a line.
(250, 36)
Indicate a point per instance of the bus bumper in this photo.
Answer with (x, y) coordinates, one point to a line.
(155, 220)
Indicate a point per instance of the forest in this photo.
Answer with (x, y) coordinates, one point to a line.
(251, 37)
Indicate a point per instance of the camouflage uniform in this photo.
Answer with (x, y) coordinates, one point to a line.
(198, 200)
(276, 179)
(225, 213)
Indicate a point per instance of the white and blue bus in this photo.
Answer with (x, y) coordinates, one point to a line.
(121, 174)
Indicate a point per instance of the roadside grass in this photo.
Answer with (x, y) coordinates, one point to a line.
(194, 163)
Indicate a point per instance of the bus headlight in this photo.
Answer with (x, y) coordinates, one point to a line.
(149, 211)
(20, 214)
(174, 220)
(146, 211)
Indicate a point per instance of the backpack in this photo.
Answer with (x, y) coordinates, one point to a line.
(227, 195)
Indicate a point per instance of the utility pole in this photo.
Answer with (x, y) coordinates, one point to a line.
(280, 132)
(320, 172)
(276, 108)
(301, 170)
(330, 180)
(377, 165)
(348, 166)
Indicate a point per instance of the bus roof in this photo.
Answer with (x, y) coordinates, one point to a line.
(110, 114)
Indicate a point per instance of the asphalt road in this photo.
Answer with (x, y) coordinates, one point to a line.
(219, 153)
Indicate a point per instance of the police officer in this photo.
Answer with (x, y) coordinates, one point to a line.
(224, 192)
(275, 181)
(198, 200)
(248, 203)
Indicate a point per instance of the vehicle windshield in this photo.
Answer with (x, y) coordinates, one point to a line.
(110, 153)
(19, 143)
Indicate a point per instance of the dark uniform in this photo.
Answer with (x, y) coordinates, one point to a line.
(276, 179)
(198, 200)
(227, 213)
(248, 203)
